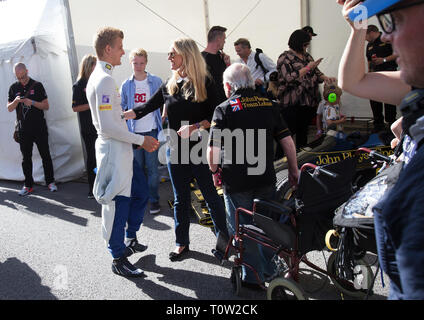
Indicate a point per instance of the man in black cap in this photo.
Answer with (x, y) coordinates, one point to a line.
(309, 30)
(380, 58)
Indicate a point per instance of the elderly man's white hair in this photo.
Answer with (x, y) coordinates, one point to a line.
(238, 76)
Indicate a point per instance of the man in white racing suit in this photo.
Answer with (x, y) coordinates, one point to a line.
(114, 154)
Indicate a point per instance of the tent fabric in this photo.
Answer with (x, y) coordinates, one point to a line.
(45, 55)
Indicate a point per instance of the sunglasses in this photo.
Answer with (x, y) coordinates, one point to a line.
(386, 19)
(172, 54)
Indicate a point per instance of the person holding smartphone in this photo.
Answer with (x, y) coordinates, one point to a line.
(298, 86)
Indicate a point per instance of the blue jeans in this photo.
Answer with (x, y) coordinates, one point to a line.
(129, 213)
(258, 257)
(149, 163)
(181, 176)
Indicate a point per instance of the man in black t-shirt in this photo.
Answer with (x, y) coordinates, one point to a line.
(380, 58)
(216, 60)
(241, 139)
(29, 99)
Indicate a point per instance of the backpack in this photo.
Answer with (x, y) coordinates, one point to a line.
(259, 62)
(271, 85)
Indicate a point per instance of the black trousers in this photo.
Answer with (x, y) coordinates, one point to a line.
(90, 164)
(377, 111)
(41, 140)
(298, 119)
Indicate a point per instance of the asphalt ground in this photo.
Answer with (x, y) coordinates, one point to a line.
(52, 249)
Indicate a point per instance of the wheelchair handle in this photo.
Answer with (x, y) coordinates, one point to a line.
(374, 154)
(328, 173)
(319, 169)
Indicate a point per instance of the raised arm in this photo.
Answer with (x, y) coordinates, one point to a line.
(379, 86)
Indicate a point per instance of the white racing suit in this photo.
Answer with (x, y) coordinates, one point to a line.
(114, 154)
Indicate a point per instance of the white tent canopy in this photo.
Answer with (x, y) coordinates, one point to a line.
(41, 43)
(153, 24)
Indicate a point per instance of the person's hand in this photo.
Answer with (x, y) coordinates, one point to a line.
(150, 144)
(18, 99)
(348, 5)
(342, 118)
(217, 181)
(318, 134)
(259, 82)
(394, 143)
(377, 61)
(185, 131)
(293, 177)
(27, 102)
(163, 119)
(313, 64)
(226, 58)
(329, 80)
(130, 114)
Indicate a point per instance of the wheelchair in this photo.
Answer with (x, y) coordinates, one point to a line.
(309, 213)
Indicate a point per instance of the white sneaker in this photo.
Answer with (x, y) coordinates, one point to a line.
(52, 187)
(25, 191)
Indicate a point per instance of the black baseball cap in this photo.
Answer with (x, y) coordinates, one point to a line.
(309, 29)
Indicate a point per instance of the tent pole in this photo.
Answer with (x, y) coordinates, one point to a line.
(206, 10)
(305, 15)
(70, 39)
(73, 63)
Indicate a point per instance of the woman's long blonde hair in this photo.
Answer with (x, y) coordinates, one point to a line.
(194, 66)
(86, 66)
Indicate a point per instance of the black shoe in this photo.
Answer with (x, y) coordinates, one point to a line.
(219, 255)
(177, 256)
(134, 247)
(154, 208)
(123, 267)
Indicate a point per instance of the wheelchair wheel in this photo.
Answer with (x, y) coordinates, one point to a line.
(284, 289)
(236, 279)
(363, 276)
(284, 191)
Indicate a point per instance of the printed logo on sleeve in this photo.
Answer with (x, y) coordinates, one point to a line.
(236, 105)
(105, 107)
(105, 99)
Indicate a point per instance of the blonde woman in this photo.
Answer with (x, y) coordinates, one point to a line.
(80, 105)
(190, 100)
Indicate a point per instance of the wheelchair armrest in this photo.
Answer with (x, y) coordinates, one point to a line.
(272, 205)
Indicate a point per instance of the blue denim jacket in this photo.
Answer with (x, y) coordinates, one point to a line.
(127, 98)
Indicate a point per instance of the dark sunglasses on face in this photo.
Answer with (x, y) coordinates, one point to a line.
(172, 54)
(386, 19)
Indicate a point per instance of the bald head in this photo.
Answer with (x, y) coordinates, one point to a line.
(21, 73)
(19, 66)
